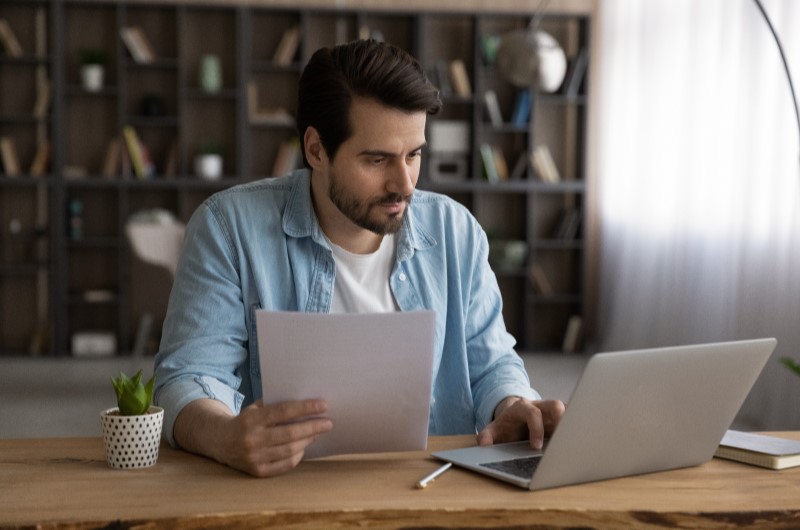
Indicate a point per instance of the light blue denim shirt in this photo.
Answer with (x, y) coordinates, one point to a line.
(259, 246)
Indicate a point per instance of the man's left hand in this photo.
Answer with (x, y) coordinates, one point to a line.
(518, 419)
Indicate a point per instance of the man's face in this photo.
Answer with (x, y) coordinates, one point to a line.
(373, 176)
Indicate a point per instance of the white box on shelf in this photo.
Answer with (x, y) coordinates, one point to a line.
(449, 136)
(94, 344)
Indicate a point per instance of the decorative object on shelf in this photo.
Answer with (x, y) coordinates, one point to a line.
(208, 161)
(489, 44)
(532, 58)
(132, 430)
(76, 219)
(93, 67)
(152, 106)
(507, 254)
(210, 74)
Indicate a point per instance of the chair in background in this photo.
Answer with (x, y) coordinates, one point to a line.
(156, 239)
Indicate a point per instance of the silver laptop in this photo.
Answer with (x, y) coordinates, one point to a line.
(633, 412)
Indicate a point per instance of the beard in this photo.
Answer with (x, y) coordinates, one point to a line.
(360, 212)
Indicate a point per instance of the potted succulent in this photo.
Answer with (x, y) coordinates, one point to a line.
(208, 161)
(132, 430)
(93, 62)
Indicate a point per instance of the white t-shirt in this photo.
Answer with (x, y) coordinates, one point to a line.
(362, 280)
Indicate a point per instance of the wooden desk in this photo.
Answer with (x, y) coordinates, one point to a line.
(65, 483)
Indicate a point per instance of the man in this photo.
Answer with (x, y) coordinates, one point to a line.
(347, 234)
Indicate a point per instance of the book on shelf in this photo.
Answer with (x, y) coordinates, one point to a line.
(171, 162)
(500, 163)
(113, 159)
(522, 108)
(569, 224)
(138, 45)
(771, 452)
(573, 335)
(489, 166)
(520, 167)
(9, 39)
(541, 283)
(41, 160)
(287, 47)
(459, 79)
(8, 155)
(576, 72)
(544, 164)
(42, 104)
(139, 157)
(288, 157)
(441, 78)
(493, 108)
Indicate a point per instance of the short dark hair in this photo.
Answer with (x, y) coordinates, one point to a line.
(361, 68)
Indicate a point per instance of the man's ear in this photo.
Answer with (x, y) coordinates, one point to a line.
(315, 152)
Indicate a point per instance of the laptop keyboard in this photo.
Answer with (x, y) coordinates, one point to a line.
(520, 467)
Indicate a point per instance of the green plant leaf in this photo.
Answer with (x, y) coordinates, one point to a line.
(791, 364)
(133, 397)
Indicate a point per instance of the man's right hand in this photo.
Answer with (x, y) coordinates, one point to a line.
(263, 440)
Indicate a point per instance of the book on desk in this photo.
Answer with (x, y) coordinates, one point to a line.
(759, 450)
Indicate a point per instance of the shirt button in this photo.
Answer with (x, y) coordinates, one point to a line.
(402, 276)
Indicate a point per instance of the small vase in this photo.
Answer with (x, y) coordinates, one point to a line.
(208, 167)
(210, 74)
(132, 442)
(92, 77)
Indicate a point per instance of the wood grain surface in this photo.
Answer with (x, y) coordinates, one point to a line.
(66, 483)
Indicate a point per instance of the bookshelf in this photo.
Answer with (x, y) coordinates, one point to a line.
(65, 265)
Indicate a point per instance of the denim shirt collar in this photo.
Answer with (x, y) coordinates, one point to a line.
(300, 219)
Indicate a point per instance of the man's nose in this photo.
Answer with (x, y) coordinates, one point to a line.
(403, 178)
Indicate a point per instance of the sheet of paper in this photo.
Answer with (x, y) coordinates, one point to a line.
(374, 370)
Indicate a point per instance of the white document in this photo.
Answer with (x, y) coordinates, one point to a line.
(374, 370)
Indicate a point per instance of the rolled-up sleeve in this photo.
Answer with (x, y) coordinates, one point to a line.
(204, 340)
(496, 370)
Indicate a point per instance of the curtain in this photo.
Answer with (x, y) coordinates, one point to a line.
(698, 183)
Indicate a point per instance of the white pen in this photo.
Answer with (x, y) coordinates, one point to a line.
(430, 478)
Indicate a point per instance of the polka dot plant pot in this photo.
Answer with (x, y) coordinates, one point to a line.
(132, 441)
